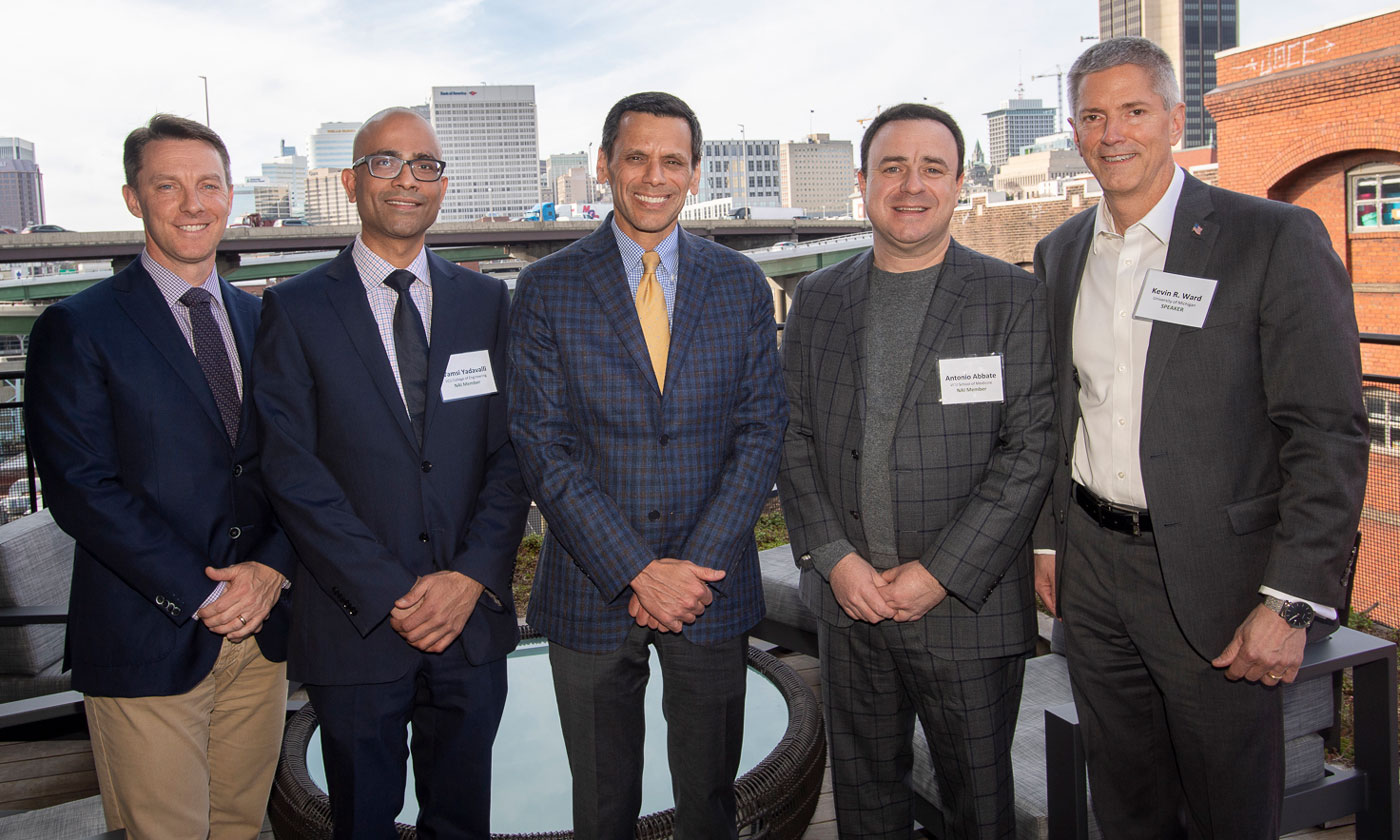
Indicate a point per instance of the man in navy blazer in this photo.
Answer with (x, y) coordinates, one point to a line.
(648, 410)
(375, 378)
(148, 454)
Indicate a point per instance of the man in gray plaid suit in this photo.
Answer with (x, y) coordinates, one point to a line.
(916, 457)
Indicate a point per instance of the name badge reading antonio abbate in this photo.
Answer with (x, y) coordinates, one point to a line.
(1174, 298)
(468, 375)
(972, 379)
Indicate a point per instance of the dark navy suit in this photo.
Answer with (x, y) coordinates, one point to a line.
(137, 468)
(369, 512)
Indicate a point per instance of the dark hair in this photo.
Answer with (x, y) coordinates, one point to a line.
(658, 105)
(912, 111)
(169, 127)
(1115, 52)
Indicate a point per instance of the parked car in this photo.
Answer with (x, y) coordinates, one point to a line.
(289, 223)
(4, 229)
(45, 229)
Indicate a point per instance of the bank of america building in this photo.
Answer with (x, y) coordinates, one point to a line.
(490, 139)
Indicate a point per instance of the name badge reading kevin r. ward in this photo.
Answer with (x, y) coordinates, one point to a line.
(972, 379)
(1174, 298)
(468, 375)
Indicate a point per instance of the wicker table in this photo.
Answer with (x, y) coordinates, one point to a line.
(776, 797)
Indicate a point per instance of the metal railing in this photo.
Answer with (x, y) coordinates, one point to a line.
(1376, 594)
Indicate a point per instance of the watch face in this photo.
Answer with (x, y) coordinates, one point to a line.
(1297, 614)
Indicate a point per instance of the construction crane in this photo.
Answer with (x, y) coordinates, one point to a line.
(879, 108)
(1059, 93)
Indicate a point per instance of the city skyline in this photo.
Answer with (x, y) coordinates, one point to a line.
(277, 72)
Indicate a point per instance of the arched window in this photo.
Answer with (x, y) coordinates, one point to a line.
(1373, 198)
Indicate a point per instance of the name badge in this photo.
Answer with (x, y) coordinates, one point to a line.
(973, 379)
(1174, 298)
(468, 375)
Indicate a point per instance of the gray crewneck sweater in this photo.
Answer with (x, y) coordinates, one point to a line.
(895, 313)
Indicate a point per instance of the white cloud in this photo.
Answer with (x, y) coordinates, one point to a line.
(85, 72)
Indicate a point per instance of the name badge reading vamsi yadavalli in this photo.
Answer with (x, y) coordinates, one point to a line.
(468, 375)
(971, 379)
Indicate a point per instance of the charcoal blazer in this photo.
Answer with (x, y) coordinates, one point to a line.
(1254, 439)
(967, 480)
(623, 473)
(368, 511)
(136, 466)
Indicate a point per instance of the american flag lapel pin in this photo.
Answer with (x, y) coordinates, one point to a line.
(1196, 230)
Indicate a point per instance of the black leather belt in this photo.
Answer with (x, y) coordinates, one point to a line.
(1120, 518)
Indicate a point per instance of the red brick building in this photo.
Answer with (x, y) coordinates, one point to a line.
(1314, 120)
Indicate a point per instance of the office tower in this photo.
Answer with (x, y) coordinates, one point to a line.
(1191, 32)
(490, 140)
(817, 175)
(326, 202)
(745, 170)
(558, 167)
(288, 170)
(21, 184)
(1015, 124)
(331, 145)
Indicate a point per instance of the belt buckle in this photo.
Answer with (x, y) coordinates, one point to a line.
(1137, 525)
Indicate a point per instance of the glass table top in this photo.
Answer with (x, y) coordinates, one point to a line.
(530, 790)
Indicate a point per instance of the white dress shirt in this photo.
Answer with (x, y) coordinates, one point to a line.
(1110, 362)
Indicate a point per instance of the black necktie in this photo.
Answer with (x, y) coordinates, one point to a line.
(411, 348)
(212, 354)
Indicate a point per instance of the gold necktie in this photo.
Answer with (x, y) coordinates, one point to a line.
(651, 311)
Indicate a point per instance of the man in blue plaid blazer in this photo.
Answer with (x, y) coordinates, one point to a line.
(650, 465)
(916, 459)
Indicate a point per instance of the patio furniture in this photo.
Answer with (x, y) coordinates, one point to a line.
(776, 797)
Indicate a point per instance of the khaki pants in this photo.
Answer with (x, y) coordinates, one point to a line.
(193, 765)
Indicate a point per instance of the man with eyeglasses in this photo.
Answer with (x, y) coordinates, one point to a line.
(388, 460)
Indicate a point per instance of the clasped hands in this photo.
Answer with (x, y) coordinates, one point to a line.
(251, 589)
(904, 593)
(670, 593)
(432, 614)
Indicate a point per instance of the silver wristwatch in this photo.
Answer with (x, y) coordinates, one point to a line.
(1298, 614)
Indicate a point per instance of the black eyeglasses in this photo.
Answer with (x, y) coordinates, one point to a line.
(388, 166)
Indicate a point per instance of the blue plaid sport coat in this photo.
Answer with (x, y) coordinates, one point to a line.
(623, 473)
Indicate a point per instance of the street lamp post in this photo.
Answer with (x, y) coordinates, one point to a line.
(206, 101)
(744, 166)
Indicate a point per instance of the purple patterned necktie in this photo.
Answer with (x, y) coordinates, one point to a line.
(212, 354)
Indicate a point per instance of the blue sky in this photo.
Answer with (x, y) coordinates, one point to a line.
(82, 73)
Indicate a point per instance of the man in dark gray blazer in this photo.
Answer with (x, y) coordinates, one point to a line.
(917, 455)
(1215, 443)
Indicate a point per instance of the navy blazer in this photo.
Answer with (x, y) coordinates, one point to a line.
(623, 473)
(1254, 438)
(367, 510)
(137, 467)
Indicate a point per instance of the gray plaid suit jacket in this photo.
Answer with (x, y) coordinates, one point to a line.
(623, 473)
(967, 480)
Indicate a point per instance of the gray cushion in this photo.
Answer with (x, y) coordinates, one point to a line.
(70, 821)
(1307, 707)
(36, 568)
(51, 680)
(1304, 760)
(780, 589)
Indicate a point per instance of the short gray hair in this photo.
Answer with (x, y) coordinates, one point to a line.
(1128, 50)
